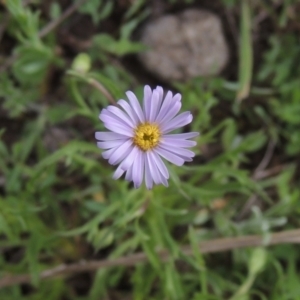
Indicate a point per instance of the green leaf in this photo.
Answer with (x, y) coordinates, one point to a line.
(245, 52)
(67, 153)
(134, 8)
(55, 10)
(97, 9)
(120, 48)
(229, 134)
(32, 64)
(33, 247)
(199, 259)
(148, 248)
(173, 285)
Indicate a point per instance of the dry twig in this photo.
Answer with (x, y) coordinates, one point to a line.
(213, 246)
(266, 159)
(97, 85)
(261, 167)
(269, 172)
(67, 13)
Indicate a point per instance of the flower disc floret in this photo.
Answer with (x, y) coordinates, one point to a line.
(147, 136)
(140, 137)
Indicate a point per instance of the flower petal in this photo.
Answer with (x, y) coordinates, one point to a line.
(178, 151)
(131, 113)
(120, 114)
(148, 177)
(173, 111)
(169, 142)
(147, 101)
(176, 160)
(136, 105)
(160, 164)
(128, 175)
(118, 173)
(160, 91)
(128, 161)
(108, 136)
(179, 121)
(108, 118)
(106, 154)
(154, 106)
(121, 152)
(110, 144)
(153, 169)
(163, 180)
(138, 169)
(157, 101)
(167, 105)
(119, 129)
(157, 176)
(187, 135)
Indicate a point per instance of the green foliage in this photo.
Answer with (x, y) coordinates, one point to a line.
(107, 43)
(245, 52)
(25, 22)
(32, 64)
(59, 204)
(97, 9)
(123, 46)
(282, 67)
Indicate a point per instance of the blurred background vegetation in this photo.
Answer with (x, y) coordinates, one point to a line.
(61, 214)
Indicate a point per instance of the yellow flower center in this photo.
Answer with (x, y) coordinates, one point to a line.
(147, 136)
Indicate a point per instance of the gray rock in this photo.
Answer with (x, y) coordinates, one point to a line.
(185, 45)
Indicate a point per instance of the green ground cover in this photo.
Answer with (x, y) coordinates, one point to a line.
(69, 231)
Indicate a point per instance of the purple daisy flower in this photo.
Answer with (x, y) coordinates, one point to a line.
(139, 136)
